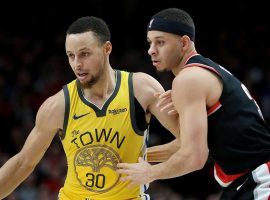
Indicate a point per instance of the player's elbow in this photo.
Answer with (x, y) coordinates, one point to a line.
(199, 160)
(25, 163)
(199, 164)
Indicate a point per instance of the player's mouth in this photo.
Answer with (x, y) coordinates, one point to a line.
(155, 62)
(82, 76)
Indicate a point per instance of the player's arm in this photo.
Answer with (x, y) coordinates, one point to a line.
(145, 88)
(49, 120)
(189, 94)
(148, 98)
(161, 153)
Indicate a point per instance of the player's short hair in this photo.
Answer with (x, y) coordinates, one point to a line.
(93, 24)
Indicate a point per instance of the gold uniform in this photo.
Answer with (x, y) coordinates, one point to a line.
(96, 139)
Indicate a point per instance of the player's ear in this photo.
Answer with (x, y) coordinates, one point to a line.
(185, 42)
(107, 47)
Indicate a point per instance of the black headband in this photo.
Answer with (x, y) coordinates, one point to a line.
(169, 26)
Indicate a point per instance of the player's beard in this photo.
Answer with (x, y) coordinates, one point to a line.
(162, 71)
(95, 78)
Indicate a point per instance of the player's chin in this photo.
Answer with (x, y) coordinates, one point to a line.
(82, 82)
(161, 69)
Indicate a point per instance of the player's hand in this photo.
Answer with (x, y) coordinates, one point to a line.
(136, 173)
(165, 103)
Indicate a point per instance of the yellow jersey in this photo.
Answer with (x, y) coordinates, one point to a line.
(96, 139)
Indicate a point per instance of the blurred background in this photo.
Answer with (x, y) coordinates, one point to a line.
(33, 66)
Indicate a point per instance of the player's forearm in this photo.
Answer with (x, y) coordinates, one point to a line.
(158, 155)
(178, 164)
(174, 126)
(161, 153)
(12, 173)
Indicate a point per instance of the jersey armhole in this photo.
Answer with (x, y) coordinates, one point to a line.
(66, 116)
(137, 113)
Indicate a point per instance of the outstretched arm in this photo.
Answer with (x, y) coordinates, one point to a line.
(49, 120)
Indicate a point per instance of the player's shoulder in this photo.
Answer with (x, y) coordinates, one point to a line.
(196, 81)
(193, 75)
(50, 115)
(144, 78)
(55, 102)
(140, 75)
(53, 107)
(145, 86)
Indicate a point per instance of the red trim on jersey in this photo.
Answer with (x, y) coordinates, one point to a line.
(203, 66)
(193, 53)
(223, 178)
(213, 108)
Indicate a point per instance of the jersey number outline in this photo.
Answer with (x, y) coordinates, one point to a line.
(252, 99)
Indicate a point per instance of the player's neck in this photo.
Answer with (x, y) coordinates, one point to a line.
(187, 55)
(101, 90)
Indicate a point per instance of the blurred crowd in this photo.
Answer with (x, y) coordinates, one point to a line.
(34, 66)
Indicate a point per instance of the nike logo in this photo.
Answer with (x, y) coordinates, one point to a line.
(79, 116)
(238, 188)
(150, 24)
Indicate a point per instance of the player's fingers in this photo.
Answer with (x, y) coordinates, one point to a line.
(131, 185)
(172, 112)
(124, 171)
(127, 166)
(125, 178)
(163, 102)
(141, 160)
(123, 165)
(165, 94)
(167, 106)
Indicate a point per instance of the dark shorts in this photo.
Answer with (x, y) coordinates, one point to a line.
(252, 186)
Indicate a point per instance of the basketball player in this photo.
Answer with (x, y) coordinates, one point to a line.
(101, 118)
(218, 116)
